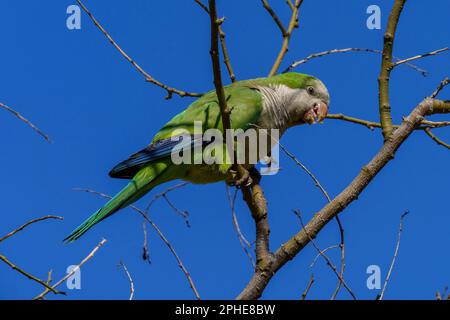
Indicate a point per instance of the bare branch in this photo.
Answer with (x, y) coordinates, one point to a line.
(226, 56)
(145, 251)
(184, 214)
(345, 50)
(441, 86)
(28, 122)
(436, 139)
(160, 234)
(29, 223)
(274, 16)
(28, 275)
(369, 124)
(293, 23)
(290, 4)
(397, 247)
(420, 56)
(67, 276)
(372, 125)
(148, 77)
(386, 68)
(327, 197)
(242, 240)
(321, 252)
(257, 203)
(295, 244)
(130, 279)
(308, 287)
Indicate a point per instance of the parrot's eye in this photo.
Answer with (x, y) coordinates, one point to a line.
(310, 90)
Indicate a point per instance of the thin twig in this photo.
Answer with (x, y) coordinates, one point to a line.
(67, 276)
(28, 122)
(29, 223)
(397, 247)
(242, 240)
(29, 276)
(308, 287)
(328, 261)
(160, 234)
(323, 251)
(183, 213)
(384, 105)
(327, 197)
(148, 77)
(226, 55)
(293, 23)
(274, 16)
(372, 125)
(130, 279)
(345, 50)
(436, 139)
(441, 86)
(145, 251)
(420, 56)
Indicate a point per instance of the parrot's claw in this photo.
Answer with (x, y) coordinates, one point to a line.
(238, 180)
(245, 180)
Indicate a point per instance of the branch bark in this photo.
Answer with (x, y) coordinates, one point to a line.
(148, 77)
(25, 120)
(386, 68)
(293, 23)
(293, 246)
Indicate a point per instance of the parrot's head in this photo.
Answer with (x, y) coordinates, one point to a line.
(309, 99)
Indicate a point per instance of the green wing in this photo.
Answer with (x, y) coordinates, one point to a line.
(245, 103)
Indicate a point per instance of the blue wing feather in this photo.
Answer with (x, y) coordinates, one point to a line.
(155, 151)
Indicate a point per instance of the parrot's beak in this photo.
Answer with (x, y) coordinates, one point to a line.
(316, 113)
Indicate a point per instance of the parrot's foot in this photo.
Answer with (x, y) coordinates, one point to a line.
(242, 177)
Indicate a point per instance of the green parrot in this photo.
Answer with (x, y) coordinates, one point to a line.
(277, 102)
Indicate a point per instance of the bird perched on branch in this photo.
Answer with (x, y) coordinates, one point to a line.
(277, 102)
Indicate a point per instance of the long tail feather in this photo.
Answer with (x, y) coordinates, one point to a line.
(142, 183)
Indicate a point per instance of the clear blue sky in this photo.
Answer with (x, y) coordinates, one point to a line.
(98, 110)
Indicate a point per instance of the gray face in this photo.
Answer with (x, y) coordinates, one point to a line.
(309, 105)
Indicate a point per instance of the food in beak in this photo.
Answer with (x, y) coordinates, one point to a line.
(316, 113)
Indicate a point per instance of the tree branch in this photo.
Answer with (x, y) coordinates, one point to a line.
(29, 223)
(257, 203)
(436, 139)
(346, 50)
(274, 16)
(28, 122)
(148, 77)
(329, 263)
(130, 279)
(286, 38)
(420, 56)
(226, 56)
(242, 240)
(160, 234)
(397, 247)
(308, 287)
(386, 68)
(293, 246)
(28, 275)
(67, 276)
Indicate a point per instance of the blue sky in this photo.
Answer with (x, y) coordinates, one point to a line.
(98, 110)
